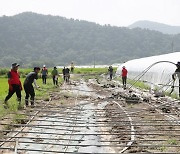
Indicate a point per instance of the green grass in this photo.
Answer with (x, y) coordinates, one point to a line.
(91, 73)
(138, 84)
(163, 148)
(18, 119)
(41, 93)
(24, 71)
(91, 70)
(174, 95)
(172, 142)
(43, 90)
(3, 93)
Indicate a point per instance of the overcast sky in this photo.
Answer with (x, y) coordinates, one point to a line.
(114, 12)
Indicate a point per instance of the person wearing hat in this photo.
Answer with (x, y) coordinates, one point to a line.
(28, 87)
(55, 76)
(44, 73)
(124, 76)
(177, 74)
(14, 84)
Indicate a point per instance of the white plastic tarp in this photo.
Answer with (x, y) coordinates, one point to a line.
(159, 74)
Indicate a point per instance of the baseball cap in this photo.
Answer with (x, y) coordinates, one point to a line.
(15, 65)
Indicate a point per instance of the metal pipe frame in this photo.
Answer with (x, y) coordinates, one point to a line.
(90, 134)
(99, 122)
(96, 145)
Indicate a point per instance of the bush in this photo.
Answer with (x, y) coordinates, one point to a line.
(3, 71)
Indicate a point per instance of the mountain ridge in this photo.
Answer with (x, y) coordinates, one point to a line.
(151, 25)
(35, 39)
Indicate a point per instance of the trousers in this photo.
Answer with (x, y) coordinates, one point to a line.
(124, 78)
(16, 89)
(29, 90)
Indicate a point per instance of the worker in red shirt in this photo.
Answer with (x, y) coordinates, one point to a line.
(124, 76)
(14, 85)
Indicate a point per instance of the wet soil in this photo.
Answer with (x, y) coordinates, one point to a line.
(84, 118)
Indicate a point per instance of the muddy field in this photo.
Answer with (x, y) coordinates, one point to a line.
(96, 116)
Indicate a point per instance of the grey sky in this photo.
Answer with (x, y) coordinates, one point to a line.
(114, 12)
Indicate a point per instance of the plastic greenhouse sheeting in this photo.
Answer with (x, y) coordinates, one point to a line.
(159, 74)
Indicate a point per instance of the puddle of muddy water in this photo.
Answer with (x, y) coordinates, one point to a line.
(92, 140)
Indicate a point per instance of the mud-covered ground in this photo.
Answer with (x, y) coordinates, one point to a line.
(98, 117)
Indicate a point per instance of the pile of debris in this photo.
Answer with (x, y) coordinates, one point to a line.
(132, 99)
(108, 86)
(128, 97)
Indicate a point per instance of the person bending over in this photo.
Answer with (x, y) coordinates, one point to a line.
(28, 87)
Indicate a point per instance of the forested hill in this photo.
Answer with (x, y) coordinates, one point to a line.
(30, 38)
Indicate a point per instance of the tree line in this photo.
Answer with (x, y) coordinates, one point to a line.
(34, 39)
